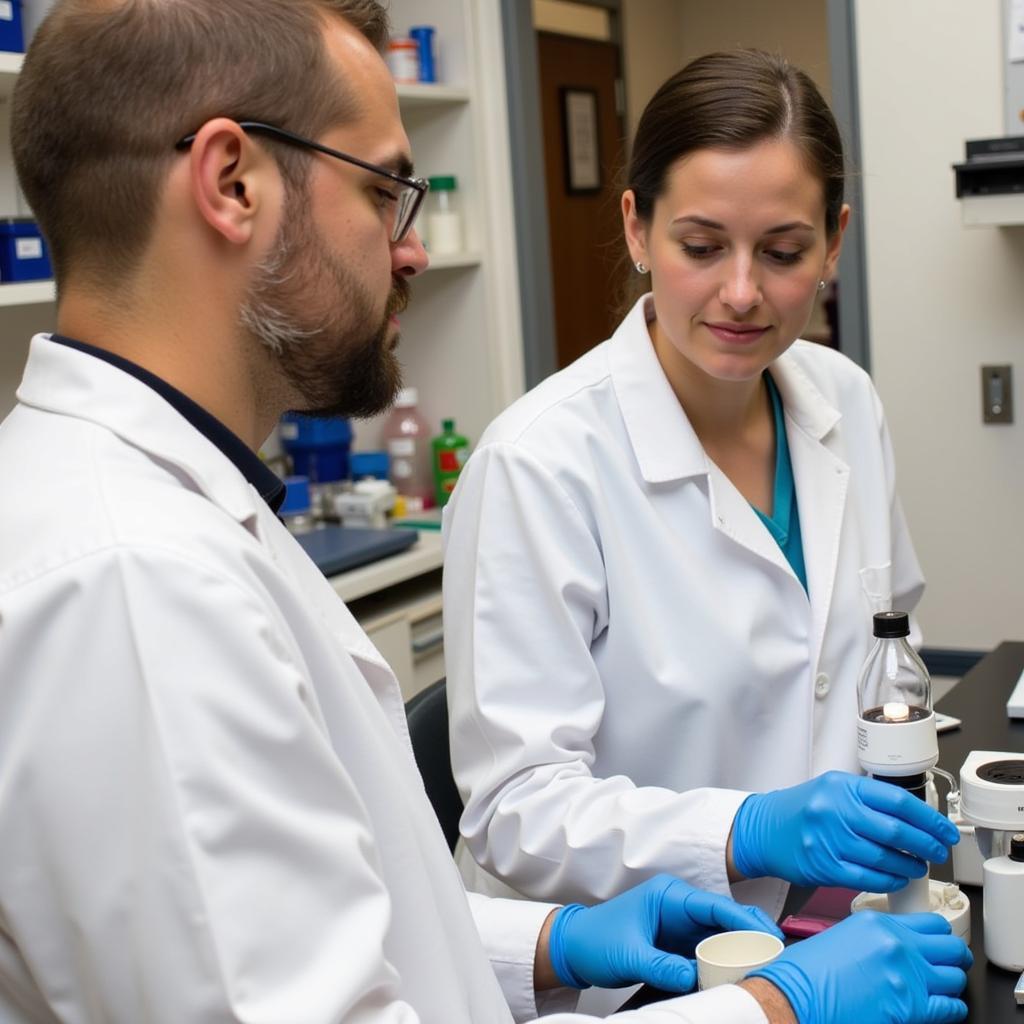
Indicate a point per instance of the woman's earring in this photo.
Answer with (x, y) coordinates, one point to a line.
(821, 286)
(641, 268)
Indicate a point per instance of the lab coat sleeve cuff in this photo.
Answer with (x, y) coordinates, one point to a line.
(724, 1003)
(509, 930)
(720, 812)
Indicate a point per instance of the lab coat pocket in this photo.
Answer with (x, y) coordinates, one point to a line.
(876, 582)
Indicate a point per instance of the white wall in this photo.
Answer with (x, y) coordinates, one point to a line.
(660, 36)
(651, 51)
(943, 300)
(798, 29)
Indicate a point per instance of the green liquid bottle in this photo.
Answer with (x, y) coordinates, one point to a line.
(448, 454)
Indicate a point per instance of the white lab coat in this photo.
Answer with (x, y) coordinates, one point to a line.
(209, 809)
(629, 653)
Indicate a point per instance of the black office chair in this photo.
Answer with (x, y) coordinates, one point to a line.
(427, 715)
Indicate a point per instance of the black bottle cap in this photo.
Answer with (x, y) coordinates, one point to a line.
(1017, 846)
(892, 624)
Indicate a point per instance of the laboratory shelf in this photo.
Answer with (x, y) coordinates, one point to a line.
(447, 261)
(10, 66)
(27, 293)
(427, 95)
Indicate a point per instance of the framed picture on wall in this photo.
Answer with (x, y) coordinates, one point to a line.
(580, 140)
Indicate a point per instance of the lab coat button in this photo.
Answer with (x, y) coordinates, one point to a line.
(822, 685)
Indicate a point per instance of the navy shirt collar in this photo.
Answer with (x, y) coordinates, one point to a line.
(271, 489)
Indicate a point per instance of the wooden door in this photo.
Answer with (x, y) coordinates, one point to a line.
(578, 99)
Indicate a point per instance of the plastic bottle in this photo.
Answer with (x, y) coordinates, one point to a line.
(403, 59)
(423, 35)
(444, 221)
(448, 453)
(406, 437)
(1004, 907)
(896, 736)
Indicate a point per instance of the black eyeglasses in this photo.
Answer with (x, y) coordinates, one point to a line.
(409, 199)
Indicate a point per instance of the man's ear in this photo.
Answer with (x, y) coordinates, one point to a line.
(231, 179)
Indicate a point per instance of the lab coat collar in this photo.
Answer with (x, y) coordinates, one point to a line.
(663, 440)
(802, 400)
(69, 382)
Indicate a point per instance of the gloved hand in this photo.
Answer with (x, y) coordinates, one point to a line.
(840, 829)
(643, 934)
(874, 969)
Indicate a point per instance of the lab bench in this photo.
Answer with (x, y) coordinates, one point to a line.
(397, 601)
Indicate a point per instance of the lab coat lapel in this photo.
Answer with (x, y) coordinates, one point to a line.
(732, 515)
(822, 481)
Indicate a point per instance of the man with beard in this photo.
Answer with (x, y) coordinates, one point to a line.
(209, 810)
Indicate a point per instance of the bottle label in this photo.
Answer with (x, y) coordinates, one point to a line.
(402, 447)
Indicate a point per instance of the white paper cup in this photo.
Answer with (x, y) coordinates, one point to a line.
(727, 957)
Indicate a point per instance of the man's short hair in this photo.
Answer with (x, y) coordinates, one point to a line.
(109, 86)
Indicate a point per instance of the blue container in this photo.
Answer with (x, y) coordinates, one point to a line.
(12, 36)
(319, 447)
(296, 496)
(369, 464)
(23, 252)
(424, 36)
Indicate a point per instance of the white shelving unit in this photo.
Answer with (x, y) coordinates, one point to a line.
(10, 65)
(461, 336)
(426, 95)
(27, 293)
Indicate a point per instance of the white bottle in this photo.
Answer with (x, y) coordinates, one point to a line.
(444, 222)
(1003, 879)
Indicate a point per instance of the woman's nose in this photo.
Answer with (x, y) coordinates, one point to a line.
(740, 290)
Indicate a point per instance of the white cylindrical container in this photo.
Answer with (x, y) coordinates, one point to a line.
(403, 57)
(1003, 880)
(444, 222)
(913, 898)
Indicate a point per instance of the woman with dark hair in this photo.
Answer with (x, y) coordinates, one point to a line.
(662, 563)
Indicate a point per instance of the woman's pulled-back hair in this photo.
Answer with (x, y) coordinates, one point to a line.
(732, 100)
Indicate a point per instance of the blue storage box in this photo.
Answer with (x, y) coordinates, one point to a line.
(369, 464)
(12, 37)
(23, 252)
(319, 447)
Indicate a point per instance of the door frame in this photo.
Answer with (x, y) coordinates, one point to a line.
(854, 325)
(529, 194)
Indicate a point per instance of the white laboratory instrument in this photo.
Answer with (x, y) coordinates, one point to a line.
(992, 801)
(1015, 705)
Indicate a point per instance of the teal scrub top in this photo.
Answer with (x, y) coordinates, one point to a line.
(784, 522)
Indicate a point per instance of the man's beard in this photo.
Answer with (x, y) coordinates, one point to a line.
(310, 311)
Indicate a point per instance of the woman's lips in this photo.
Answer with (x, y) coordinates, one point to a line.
(736, 334)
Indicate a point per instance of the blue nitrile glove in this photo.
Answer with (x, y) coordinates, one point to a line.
(875, 969)
(644, 934)
(840, 829)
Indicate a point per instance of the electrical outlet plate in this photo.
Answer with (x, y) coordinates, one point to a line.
(997, 394)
